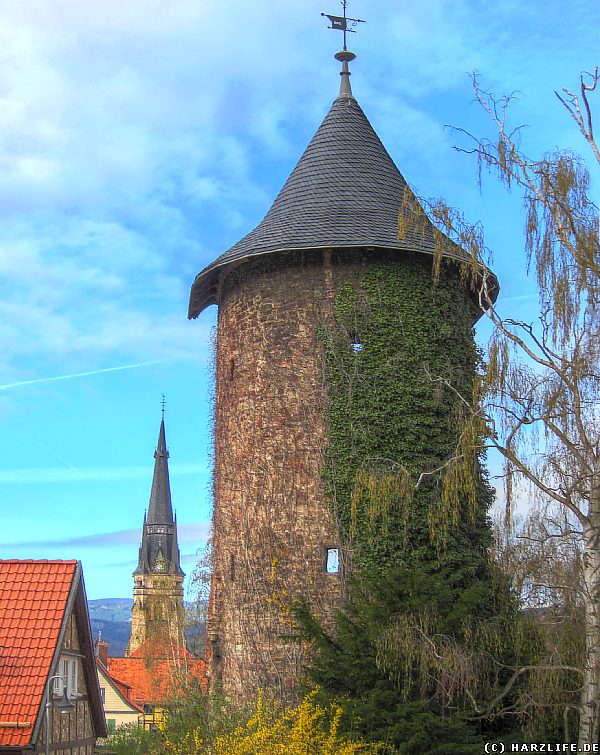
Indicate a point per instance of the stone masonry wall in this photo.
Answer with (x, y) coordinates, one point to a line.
(272, 523)
(157, 611)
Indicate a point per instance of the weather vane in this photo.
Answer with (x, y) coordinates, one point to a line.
(343, 23)
(163, 405)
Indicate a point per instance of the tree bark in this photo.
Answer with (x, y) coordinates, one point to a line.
(589, 717)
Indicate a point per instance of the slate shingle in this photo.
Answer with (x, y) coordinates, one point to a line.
(345, 191)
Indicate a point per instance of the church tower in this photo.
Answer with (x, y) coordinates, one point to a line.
(328, 318)
(157, 612)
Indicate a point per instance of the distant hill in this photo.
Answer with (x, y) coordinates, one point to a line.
(115, 633)
(111, 618)
(111, 609)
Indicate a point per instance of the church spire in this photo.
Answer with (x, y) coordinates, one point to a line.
(159, 550)
(160, 510)
(157, 611)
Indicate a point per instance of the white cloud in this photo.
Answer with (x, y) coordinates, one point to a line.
(141, 139)
(49, 475)
(190, 532)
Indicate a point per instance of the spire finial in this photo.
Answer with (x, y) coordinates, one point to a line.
(343, 23)
(163, 405)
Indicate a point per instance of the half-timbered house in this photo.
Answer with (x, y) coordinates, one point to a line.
(49, 693)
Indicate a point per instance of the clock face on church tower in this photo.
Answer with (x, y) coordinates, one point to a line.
(160, 564)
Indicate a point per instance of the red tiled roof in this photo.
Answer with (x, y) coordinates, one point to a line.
(157, 648)
(122, 688)
(33, 599)
(154, 679)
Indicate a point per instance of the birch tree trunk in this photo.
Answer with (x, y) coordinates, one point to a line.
(589, 719)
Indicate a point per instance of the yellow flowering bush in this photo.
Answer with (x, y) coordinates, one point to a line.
(203, 728)
(304, 730)
(189, 743)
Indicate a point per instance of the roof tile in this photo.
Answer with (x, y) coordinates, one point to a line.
(29, 632)
(153, 672)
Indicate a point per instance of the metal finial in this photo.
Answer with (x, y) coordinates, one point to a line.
(343, 23)
(163, 405)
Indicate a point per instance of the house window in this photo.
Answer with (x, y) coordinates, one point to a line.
(103, 695)
(111, 725)
(332, 560)
(72, 676)
(67, 676)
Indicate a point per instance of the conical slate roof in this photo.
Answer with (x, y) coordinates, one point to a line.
(344, 192)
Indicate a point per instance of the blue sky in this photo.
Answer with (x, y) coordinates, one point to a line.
(139, 141)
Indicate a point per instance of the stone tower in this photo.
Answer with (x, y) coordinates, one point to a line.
(280, 526)
(157, 611)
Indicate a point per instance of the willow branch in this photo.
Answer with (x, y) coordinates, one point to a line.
(573, 108)
(511, 682)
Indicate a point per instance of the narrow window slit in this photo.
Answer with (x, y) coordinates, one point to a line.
(332, 560)
(357, 344)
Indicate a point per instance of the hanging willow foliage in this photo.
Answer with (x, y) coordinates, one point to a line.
(466, 670)
(381, 492)
(540, 395)
(412, 652)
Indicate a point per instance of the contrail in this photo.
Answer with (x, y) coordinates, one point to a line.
(6, 386)
(58, 456)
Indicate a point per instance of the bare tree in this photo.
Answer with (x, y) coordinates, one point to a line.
(538, 399)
